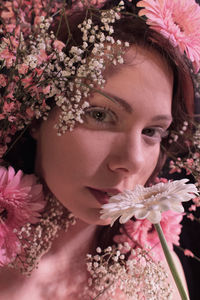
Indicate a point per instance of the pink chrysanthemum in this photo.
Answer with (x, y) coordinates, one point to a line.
(21, 200)
(142, 233)
(178, 21)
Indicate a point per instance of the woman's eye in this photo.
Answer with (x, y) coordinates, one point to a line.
(101, 115)
(155, 133)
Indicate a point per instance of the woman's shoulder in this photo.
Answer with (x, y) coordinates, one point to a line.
(54, 278)
(41, 284)
(10, 281)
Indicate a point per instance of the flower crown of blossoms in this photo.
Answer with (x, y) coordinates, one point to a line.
(36, 71)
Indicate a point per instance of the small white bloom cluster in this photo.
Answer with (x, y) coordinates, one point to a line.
(175, 135)
(191, 163)
(36, 239)
(197, 137)
(196, 79)
(37, 69)
(137, 276)
(87, 70)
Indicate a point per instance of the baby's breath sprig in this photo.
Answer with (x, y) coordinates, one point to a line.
(110, 271)
(36, 71)
(36, 239)
(191, 162)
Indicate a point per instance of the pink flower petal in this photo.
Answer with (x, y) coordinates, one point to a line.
(143, 234)
(21, 201)
(179, 21)
(188, 253)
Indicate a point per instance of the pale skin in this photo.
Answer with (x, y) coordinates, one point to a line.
(117, 147)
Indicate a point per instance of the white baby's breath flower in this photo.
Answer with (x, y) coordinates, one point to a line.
(149, 202)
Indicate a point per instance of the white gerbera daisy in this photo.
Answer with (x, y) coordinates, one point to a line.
(149, 202)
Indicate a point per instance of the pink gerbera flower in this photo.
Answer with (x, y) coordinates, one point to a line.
(178, 21)
(21, 200)
(142, 233)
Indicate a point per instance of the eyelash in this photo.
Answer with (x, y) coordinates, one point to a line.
(157, 137)
(160, 133)
(104, 111)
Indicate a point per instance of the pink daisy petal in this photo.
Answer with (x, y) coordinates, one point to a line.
(188, 253)
(9, 245)
(179, 21)
(21, 201)
(142, 233)
(3, 177)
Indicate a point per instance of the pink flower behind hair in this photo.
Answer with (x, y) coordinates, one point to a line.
(23, 69)
(97, 3)
(143, 234)
(179, 21)
(21, 201)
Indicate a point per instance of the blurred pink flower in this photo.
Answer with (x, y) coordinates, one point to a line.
(8, 107)
(58, 45)
(192, 207)
(179, 21)
(21, 201)
(8, 12)
(142, 233)
(9, 57)
(30, 113)
(22, 69)
(161, 179)
(47, 89)
(196, 200)
(3, 80)
(42, 57)
(188, 253)
(190, 216)
(97, 3)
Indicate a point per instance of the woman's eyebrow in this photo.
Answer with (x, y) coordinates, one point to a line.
(128, 108)
(125, 105)
(162, 117)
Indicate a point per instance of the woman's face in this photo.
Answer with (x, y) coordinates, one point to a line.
(117, 146)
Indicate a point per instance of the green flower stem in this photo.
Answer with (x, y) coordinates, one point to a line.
(170, 262)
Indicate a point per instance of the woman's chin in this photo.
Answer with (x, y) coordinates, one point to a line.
(90, 216)
(94, 220)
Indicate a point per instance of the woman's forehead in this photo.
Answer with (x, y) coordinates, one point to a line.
(137, 54)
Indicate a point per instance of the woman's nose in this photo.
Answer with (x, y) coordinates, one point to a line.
(128, 154)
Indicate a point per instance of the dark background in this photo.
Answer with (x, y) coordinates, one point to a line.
(190, 238)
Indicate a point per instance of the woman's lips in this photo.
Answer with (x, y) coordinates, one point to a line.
(102, 196)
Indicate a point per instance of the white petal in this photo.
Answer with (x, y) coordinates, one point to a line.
(177, 207)
(141, 213)
(108, 214)
(165, 205)
(125, 217)
(154, 216)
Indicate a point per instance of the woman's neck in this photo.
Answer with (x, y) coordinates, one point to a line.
(78, 238)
